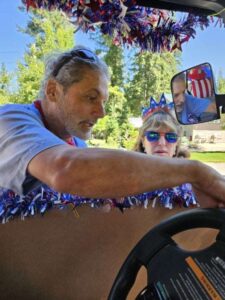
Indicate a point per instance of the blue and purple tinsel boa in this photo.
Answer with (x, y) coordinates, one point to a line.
(42, 199)
(128, 24)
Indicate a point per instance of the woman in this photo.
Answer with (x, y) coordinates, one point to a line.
(160, 135)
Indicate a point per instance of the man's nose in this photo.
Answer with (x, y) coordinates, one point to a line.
(99, 110)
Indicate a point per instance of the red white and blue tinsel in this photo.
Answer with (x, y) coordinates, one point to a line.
(128, 24)
(42, 199)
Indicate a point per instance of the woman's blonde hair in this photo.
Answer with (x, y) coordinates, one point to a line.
(158, 120)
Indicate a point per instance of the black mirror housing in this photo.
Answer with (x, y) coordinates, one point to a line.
(194, 97)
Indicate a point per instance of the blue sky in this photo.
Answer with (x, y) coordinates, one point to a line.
(208, 46)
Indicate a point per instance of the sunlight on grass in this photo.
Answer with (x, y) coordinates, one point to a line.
(209, 156)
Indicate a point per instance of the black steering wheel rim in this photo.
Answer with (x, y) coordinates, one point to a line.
(159, 237)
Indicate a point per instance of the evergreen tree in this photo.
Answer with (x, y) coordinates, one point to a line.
(113, 56)
(221, 83)
(221, 90)
(51, 31)
(151, 75)
(5, 80)
(117, 107)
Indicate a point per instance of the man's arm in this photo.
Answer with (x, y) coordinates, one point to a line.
(112, 173)
(202, 105)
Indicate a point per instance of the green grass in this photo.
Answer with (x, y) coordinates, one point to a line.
(209, 156)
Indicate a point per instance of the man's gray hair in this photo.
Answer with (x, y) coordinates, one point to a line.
(72, 70)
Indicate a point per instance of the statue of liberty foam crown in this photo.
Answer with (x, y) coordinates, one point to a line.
(155, 106)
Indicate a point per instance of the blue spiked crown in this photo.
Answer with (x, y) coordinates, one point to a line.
(156, 106)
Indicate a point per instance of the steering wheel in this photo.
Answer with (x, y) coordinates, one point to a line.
(159, 241)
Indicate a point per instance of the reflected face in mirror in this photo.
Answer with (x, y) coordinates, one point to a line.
(178, 93)
(193, 95)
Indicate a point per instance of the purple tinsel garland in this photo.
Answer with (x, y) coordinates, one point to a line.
(43, 198)
(150, 29)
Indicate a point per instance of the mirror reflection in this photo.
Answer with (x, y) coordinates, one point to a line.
(194, 96)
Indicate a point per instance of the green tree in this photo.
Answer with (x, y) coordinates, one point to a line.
(150, 76)
(129, 135)
(221, 90)
(113, 56)
(117, 107)
(114, 127)
(108, 130)
(51, 31)
(5, 81)
(221, 83)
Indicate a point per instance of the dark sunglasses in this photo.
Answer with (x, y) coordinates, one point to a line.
(170, 137)
(79, 53)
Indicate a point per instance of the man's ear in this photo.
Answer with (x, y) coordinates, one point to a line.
(52, 90)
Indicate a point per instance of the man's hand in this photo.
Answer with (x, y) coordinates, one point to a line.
(210, 188)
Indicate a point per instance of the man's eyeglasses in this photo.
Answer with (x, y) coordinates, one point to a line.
(170, 137)
(79, 53)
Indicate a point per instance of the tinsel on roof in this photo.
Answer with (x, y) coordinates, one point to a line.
(128, 24)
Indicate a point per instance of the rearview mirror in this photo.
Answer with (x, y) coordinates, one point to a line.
(194, 95)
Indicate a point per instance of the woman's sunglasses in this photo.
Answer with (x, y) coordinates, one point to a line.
(170, 137)
(79, 53)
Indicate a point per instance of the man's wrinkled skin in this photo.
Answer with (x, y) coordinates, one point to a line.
(104, 172)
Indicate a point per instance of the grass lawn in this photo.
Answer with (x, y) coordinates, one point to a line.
(209, 156)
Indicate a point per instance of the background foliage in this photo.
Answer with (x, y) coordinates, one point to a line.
(134, 76)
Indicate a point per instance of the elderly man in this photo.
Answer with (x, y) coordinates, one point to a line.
(191, 109)
(35, 142)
